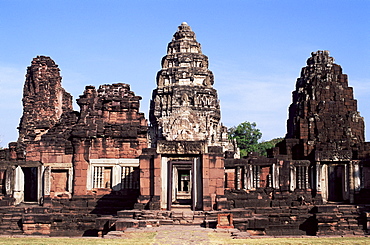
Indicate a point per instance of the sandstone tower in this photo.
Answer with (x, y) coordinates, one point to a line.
(184, 106)
(184, 166)
(323, 114)
(44, 99)
(325, 128)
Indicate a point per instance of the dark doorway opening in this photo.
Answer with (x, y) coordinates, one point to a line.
(30, 184)
(336, 178)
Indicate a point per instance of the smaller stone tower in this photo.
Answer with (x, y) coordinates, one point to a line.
(323, 114)
(44, 99)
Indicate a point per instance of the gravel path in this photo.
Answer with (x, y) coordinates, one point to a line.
(182, 235)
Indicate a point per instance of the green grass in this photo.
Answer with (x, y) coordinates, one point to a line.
(215, 238)
(132, 238)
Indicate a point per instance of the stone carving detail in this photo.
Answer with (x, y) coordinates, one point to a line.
(184, 124)
(333, 155)
(180, 147)
(184, 105)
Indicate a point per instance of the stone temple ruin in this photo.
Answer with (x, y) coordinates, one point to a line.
(104, 168)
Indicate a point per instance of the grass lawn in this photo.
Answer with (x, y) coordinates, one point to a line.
(215, 238)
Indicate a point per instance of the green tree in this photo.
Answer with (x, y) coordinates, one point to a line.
(266, 145)
(247, 136)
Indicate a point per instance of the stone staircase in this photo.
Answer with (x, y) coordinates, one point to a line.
(77, 220)
(11, 221)
(271, 221)
(339, 220)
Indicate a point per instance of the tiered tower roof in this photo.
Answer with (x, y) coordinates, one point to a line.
(185, 106)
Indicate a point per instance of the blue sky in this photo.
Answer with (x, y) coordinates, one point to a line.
(256, 49)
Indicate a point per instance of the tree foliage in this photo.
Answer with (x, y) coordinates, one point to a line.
(247, 136)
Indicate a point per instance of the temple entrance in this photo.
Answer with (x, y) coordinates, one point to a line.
(184, 185)
(183, 191)
(30, 184)
(336, 182)
(180, 184)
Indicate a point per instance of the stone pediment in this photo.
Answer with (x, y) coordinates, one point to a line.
(184, 124)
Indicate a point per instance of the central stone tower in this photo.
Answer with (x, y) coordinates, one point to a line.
(184, 106)
(184, 166)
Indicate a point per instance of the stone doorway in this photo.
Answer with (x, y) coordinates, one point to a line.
(184, 184)
(30, 184)
(180, 184)
(183, 190)
(336, 182)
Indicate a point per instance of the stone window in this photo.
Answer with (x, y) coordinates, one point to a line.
(59, 181)
(130, 178)
(116, 174)
(299, 176)
(261, 176)
(302, 177)
(102, 177)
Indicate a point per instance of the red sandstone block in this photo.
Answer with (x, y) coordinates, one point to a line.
(67, 158)
(80, 181)
(205, 173)
(220, 191)
(157, 172)
(79, 173)
(220, 163)
(220, 182)
(213, 182)
(144, 174)
(145, 183)
(79, 190)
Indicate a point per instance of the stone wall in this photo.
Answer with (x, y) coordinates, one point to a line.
(110, 126)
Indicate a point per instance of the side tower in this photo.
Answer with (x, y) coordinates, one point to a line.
(185, 165)
(325, 127)
(44, 99)
(323, 115)
(43, 154)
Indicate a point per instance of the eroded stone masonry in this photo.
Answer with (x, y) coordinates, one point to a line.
(106, 168)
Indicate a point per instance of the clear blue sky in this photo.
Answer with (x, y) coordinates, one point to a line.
(256, 49)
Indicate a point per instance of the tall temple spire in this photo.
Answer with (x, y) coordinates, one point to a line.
(323, 112)
(185, 106)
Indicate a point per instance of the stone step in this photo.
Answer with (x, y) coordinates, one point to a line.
(115, 234)
(122, 224)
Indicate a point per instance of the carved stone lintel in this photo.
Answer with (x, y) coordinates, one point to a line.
(343, 155)
(180, 147)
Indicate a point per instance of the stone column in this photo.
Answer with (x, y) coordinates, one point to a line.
(351, 182)
(146, 178)
(238, 177)
(318, 177)
(207, 201)
(80, 166)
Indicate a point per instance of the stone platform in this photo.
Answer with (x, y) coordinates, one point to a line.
(266, 221)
